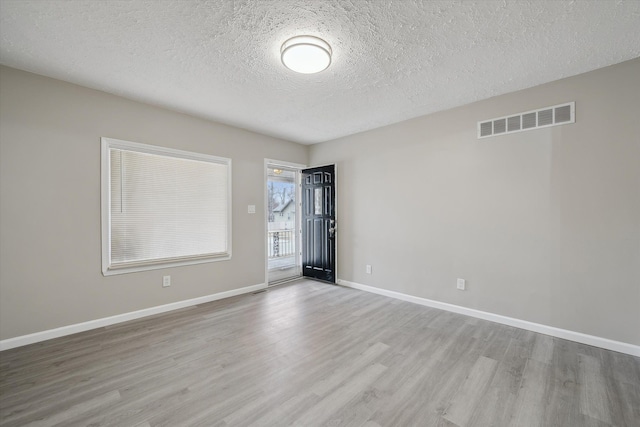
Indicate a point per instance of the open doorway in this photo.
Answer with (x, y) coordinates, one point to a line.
(283, 222)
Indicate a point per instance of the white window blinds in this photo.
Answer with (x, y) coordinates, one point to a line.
(165, 206)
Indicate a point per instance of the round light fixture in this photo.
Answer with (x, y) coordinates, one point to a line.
(306, 54)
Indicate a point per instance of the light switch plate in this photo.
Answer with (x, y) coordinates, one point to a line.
(251, 209)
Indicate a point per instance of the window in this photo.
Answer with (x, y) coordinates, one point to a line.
(163, 207)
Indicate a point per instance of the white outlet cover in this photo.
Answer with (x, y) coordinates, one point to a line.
(251, 209)
(166, 281)
(461, 284)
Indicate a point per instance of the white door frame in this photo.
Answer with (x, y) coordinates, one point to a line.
(288, 165)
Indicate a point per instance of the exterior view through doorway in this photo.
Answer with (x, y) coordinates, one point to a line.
(283, 224)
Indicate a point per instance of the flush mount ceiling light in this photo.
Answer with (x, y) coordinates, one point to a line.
(306, 54)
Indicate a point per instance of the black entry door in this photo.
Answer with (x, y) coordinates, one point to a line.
(319, 223)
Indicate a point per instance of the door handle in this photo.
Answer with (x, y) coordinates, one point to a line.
(332, 228)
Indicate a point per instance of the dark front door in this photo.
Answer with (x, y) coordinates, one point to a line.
(319, 223)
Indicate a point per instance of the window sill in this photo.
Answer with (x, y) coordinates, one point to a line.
(111, 271)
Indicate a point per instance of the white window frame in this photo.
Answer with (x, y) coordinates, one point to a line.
(105, 185)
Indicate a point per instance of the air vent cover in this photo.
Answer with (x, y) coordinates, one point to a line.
(544, 117)
(486, 129)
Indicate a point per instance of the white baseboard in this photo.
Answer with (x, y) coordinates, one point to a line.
(119, 318)
(606, 343)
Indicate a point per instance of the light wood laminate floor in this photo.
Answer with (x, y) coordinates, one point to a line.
(309, 354)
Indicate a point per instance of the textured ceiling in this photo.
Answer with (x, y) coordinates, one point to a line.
(393, 60)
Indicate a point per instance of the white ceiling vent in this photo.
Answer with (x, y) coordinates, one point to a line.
(541, 118)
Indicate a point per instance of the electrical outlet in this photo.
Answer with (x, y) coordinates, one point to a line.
(461, 284)
(368, 269)
(166, 281)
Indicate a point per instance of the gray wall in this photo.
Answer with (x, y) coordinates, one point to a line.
(50, 271)
(544, 224)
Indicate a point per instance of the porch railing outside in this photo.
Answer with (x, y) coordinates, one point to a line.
(281, 243)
